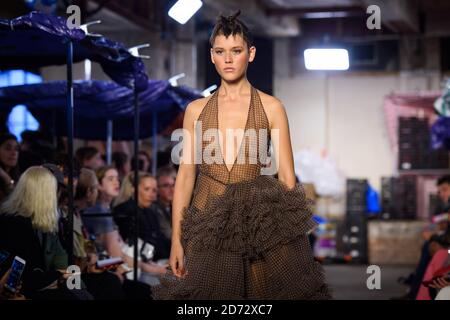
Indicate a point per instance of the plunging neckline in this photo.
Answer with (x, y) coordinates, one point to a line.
(243, 137)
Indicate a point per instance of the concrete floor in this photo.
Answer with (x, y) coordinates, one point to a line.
(349, 282)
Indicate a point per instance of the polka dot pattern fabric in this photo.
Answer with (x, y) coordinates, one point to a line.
(244, 234)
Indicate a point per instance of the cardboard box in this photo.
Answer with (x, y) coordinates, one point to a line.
(395, 242)
(331, 208)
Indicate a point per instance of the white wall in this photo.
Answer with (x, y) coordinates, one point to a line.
(342, 113)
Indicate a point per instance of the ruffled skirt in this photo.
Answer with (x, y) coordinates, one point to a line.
(249, 243)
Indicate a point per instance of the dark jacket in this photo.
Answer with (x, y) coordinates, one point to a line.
(165, 218)
(42, 252)
(149, 229)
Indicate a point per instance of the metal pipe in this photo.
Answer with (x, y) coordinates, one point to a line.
(154, 143)
(109, 136)
(69, 112)
(136, 182)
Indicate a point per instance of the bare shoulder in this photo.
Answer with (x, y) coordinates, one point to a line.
(272, 106)
(195, 107)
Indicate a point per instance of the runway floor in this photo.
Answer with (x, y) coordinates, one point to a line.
(349, 282)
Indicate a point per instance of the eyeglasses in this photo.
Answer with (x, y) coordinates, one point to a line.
(167, 185)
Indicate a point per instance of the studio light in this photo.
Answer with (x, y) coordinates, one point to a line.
(183, 10)
(326, 59)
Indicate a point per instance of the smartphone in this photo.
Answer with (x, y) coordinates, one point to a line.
(3, 256)
(13, 280)
(109, 263)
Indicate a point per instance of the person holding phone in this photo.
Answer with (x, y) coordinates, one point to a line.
(107, 236)
(432, 278)
(28, 229)
(104, 229)
(11, 279)
(5, 294)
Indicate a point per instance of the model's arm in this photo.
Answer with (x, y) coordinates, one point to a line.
(184, 185)
(185, 180)
(282, 144)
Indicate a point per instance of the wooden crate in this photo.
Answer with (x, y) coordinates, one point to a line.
(395, 242)
(330, 207)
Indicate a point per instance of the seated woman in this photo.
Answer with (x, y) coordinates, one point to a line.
(439, 246)
(149, 230)
(104, 229)
(103, 285)
(28, 229)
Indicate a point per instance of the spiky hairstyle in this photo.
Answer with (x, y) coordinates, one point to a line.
(231, 25)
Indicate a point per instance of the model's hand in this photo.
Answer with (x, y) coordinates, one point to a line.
(155, 268)
(176, 260)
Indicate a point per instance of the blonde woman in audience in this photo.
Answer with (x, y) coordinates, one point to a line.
(126, 191)
(29, 229)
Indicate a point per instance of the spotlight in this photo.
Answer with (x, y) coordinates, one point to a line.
(326, 59)
(183, 10)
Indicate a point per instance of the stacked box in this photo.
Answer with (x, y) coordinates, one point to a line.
(356, 196)
(414, 146)
(354, 238)
(395, 242)
(354, 229)
(398, 198)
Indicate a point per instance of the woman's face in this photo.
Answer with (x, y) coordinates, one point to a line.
(110, 185)
(231, 57)
(9, 153)
(147, 192)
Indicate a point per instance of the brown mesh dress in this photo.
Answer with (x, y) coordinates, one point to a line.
(244, 234)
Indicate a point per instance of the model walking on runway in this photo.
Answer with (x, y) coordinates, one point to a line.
(238, 232)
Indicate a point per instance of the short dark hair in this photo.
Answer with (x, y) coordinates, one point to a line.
(231, 25)
(7, 136)
(119, 158)
(444, 179)
(166, 171)
(85, 153)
